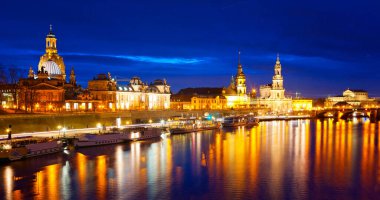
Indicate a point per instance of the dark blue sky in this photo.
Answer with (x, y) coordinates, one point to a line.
(325, 46)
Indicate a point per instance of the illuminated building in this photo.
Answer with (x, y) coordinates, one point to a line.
(8, 95)
(134, 96)
(232, 97)
(83, 102)
(302, 104)
(272, 96)
(47, 90)
(198, 99)
(51, 61)
(40, 93)
(351, 97)
(236, 92)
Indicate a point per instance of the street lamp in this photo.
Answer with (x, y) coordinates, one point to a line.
(9, 132)
(99, 126)
(64, 131)
(59, 130)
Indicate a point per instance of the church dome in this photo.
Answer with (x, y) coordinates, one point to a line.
(51, 67)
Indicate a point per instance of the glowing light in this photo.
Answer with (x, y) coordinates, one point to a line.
(7, 146)
(135, 135)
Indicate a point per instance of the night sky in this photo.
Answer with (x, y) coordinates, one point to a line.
(324, 46)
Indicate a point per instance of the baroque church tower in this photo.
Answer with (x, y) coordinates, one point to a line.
(51, 61)
(241, 88)
(278, 91)
(72, 77)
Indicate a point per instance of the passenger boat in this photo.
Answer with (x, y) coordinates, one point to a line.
(235, 121)
(192, 125)
(17, 149)
(120, 136)
(88, 140)
(144, 133)
(252, 121)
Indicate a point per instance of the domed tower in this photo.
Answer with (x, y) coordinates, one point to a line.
(241, 88)
(52, 62)
(278, 91)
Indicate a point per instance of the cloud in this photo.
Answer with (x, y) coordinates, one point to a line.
(149, 59)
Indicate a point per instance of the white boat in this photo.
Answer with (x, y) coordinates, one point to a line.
(88, 140)
(144, 133)
(17, 150)
(120, 136)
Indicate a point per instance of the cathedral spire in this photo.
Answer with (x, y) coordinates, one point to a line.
(240, 67)
(72, 77)
(51, 34)
(278, 59)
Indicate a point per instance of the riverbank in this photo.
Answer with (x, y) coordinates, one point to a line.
(48, 122)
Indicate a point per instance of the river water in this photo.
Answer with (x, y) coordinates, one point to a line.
(301, 159)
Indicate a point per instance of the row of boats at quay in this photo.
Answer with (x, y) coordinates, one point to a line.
(26, 147)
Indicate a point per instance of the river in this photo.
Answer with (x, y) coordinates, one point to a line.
(300, 159)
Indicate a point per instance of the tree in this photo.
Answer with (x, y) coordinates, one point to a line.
(14, 77)
(3, 76)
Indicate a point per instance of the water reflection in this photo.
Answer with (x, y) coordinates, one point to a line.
(283, 159)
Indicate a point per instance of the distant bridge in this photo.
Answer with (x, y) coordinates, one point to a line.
(345, 113)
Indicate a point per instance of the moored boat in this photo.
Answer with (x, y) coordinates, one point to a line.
(120, 136)
(145, 133)
(235, 121)
(193, 125)
(88, 140)
(26, 148)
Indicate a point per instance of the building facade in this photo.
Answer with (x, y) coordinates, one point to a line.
(41, 93)
(301, 104)
(272, 95)
(51, 61)
(46, 90)
(199, 99)
(136, 95)
(355, 98)
(236, 93)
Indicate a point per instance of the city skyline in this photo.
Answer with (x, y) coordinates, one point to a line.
(201, 50)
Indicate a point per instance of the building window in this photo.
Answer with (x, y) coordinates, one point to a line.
(67, 106)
